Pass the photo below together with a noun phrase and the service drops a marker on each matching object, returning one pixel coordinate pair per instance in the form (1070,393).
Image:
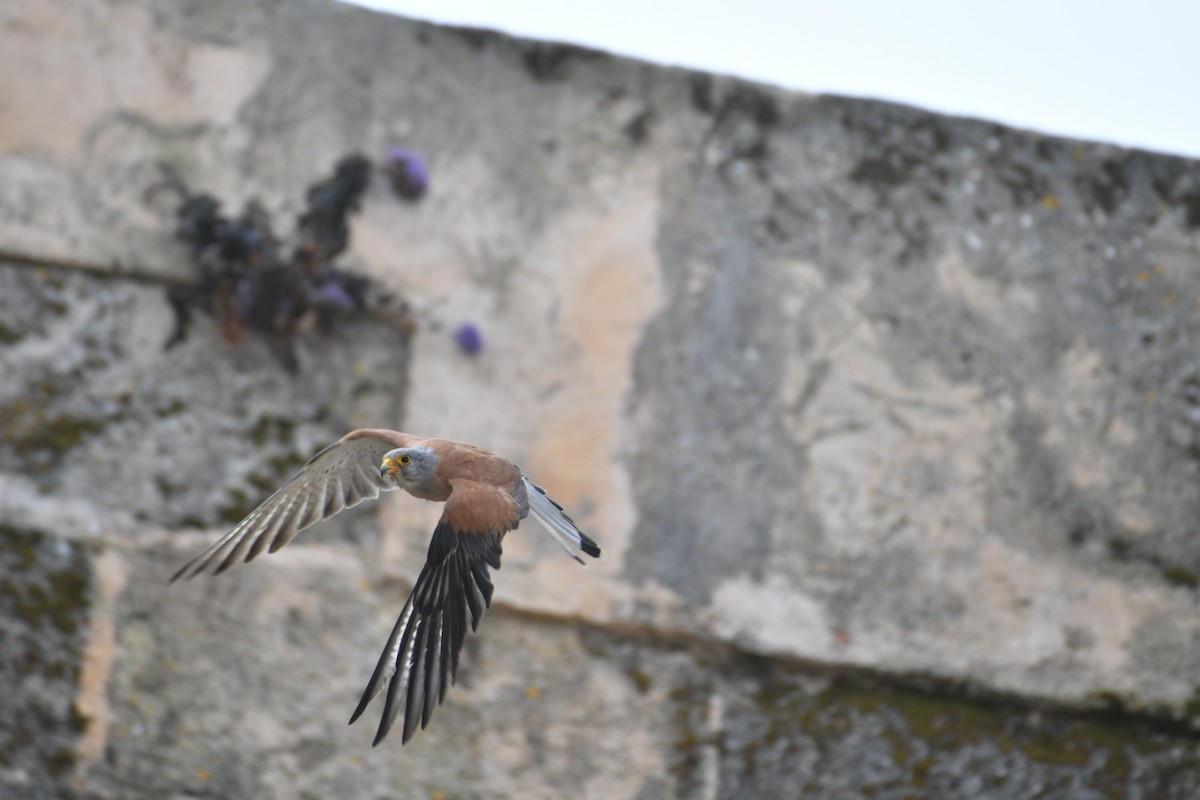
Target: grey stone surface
(926,346)
(240,687)
(886,421)
(98,403)
(275,662)
(45,605)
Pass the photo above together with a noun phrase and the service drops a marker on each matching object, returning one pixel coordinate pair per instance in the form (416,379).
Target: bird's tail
(561,528)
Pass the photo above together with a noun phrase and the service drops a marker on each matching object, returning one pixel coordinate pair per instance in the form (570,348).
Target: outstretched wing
(454,588)
(340,476)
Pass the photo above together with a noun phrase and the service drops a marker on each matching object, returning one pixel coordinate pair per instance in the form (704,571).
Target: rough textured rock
(45,605)
(887,422)
(240,686)
(98,406)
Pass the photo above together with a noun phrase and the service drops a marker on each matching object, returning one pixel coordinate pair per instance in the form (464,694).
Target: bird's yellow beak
(389,468)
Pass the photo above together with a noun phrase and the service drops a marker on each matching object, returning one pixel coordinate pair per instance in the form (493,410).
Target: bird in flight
(485,496)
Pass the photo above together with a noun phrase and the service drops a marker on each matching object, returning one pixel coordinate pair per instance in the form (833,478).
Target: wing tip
(188,571)
(358,712)
(385,726)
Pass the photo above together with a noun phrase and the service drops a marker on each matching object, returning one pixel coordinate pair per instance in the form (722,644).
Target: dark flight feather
(420,661)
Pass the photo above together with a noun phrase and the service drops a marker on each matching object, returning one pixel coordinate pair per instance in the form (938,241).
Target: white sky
(1121,72)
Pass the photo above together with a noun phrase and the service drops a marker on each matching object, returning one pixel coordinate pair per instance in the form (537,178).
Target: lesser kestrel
(485,496)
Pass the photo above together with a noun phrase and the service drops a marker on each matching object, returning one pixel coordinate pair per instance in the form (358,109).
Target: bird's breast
(436,494)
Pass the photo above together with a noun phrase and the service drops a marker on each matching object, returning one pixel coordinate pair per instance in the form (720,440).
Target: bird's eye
(405,459)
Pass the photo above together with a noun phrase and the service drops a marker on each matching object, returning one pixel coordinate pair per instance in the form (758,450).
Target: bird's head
(410,467)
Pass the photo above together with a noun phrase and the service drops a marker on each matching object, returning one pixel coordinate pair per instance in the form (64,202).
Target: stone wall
(888,423)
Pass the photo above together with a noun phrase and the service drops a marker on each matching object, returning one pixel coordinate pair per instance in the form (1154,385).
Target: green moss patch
(780,736)
(46,596)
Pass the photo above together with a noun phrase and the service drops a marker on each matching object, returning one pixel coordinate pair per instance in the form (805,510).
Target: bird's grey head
(410,467)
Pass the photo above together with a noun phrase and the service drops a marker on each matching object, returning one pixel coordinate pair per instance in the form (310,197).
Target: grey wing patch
(521,495)
(339,477)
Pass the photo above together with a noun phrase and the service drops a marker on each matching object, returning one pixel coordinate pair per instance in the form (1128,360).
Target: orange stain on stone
(98,658)
(608,296)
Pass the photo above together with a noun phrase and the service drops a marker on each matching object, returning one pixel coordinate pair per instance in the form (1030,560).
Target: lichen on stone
(45,600)
(784,732)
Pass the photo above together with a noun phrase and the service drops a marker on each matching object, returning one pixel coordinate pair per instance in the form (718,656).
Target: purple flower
(333,294)
(469,338)
(406,172)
